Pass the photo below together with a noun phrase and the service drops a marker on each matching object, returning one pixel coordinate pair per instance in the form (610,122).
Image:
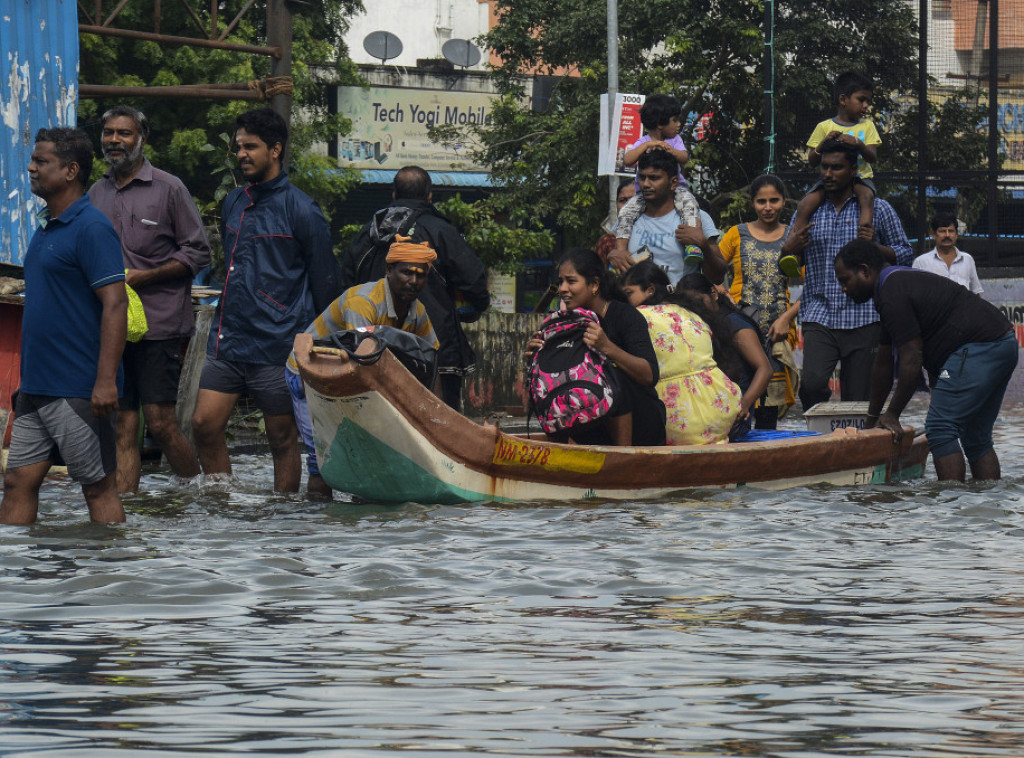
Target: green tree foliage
(956,142)
(184,138)
(499,244)
(710,55)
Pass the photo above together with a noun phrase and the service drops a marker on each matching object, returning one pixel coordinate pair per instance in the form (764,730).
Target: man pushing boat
(965,343)
(391,301)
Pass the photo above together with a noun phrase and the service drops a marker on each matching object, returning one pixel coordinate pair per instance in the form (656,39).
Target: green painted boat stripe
(359,463)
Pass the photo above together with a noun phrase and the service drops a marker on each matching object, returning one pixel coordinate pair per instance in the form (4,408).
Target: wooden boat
(382,436)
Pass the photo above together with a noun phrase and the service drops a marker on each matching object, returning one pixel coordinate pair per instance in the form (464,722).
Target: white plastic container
(836,414)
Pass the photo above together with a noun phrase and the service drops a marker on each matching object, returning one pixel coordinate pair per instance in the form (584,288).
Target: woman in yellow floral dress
(701,402)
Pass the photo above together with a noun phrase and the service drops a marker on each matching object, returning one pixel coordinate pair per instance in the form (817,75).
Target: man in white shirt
(945,259)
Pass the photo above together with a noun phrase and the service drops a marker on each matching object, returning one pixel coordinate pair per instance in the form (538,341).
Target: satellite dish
(383,45)
(461,52)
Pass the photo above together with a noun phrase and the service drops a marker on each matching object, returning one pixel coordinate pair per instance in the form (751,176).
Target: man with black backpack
(457,268)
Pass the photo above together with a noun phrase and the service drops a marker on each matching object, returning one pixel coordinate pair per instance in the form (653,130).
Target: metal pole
(279,35)
(208,92)
(922,127)
(613,87)
(993,129)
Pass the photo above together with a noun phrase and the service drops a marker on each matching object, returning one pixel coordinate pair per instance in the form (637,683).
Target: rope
(769,92)
(271,86)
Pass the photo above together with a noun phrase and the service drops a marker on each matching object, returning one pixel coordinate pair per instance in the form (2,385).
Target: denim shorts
(302,419)
(967,396)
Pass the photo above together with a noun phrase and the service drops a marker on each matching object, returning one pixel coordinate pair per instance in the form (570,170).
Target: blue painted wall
(38,89)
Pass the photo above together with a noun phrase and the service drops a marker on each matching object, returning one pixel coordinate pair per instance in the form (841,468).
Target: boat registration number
(511,452)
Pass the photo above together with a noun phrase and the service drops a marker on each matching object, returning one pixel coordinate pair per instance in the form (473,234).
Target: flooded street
(884,621)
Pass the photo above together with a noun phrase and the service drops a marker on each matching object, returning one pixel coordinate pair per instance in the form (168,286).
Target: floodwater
(885,621)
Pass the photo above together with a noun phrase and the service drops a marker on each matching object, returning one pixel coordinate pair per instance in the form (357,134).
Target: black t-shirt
(944,314)
(737,322)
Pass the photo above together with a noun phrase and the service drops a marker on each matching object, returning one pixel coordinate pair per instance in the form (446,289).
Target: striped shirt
(368,304)
(823,301)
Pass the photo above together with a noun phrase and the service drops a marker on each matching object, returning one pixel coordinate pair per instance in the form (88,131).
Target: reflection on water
(878,622)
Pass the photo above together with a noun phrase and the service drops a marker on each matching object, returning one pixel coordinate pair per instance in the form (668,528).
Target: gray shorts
(63,430)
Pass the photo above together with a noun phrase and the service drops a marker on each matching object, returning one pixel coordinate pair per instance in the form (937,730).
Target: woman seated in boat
(701,402)
(739,344)
(638,416)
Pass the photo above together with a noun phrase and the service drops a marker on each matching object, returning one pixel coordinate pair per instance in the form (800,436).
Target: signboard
(1010,121)
(502,288)
(618,133)
(389,127)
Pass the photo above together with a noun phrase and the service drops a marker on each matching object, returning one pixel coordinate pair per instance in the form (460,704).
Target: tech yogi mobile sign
(389,127)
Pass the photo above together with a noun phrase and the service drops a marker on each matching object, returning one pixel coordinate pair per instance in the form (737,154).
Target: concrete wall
(499,340)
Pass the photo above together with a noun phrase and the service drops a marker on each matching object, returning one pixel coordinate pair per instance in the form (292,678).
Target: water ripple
(878,622)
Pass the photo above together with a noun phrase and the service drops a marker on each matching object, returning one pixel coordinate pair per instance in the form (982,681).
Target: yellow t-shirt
(864,130)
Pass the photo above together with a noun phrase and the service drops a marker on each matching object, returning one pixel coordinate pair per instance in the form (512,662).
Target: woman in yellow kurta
(752,252)
(701,402)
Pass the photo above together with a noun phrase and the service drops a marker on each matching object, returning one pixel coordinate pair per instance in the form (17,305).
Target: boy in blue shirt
(850,125)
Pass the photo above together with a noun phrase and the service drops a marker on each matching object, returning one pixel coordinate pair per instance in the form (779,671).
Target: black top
(737,322)
(627,328)
(944,314)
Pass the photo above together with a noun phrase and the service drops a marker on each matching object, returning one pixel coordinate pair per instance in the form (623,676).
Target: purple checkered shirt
(823,301)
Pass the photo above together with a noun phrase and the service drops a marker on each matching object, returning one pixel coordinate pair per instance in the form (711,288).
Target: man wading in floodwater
(965,343)
(281,273)
(72,336)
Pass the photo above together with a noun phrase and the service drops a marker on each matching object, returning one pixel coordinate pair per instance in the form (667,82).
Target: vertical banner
(625,129)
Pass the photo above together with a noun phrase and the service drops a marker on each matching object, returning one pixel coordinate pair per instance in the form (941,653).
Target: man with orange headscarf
(457,276)
(391,301)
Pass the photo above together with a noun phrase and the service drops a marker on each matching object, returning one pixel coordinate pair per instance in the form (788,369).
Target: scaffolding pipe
(100,91)
(279,34)
(105,31)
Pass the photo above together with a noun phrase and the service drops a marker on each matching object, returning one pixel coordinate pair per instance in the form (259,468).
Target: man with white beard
(164,246)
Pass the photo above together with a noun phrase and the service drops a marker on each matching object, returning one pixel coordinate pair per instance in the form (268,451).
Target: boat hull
(381,436)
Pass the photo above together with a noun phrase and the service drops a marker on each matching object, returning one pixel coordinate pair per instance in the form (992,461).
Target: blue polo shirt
(68,257)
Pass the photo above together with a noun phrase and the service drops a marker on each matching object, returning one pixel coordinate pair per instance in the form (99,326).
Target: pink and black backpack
(570,383)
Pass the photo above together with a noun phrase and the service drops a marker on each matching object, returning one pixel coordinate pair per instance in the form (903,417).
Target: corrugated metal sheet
(38,89)
(10,354)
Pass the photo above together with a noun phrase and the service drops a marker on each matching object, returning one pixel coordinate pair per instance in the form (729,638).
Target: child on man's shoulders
(851,125)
